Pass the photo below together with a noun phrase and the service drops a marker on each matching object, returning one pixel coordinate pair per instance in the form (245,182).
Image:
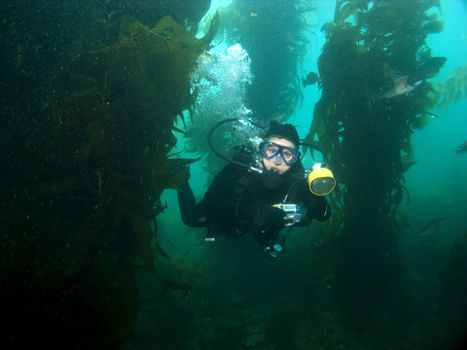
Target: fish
(407,83)
(310,79)
(461,149)
(161,251)
(432,115)
(423,119)
(431,227)
(400,86)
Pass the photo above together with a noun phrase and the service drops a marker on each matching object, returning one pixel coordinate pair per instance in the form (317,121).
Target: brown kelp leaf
(346,10)
(420,122)
(433,27)
(213,28)
(142,232)
(174,172)
(317,123)
(174,128)
(312,145)
(182,286)
(178,178)
(182,118)
(177,34)
(407,164)
(455,88)
(180,162)
(161,251)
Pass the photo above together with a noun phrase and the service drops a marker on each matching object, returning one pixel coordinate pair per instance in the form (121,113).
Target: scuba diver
(261,192)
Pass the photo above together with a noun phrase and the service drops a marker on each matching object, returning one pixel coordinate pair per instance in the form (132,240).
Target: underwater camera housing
(293,213)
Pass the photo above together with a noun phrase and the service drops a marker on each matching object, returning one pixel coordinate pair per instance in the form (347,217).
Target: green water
(87,106)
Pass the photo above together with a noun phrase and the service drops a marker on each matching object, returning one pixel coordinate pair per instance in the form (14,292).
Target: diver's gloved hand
(265,216)
(180,177)
(272,219)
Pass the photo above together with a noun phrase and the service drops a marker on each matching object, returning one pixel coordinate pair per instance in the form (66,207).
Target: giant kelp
(454,89)
(91,170)
(38,37)
(274,35)
(453,306)
(368,139)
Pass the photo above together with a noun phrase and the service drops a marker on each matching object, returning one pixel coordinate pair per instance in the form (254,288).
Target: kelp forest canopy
(90,92)
(366,134)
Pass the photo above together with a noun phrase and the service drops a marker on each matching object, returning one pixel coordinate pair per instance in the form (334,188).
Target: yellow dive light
(321,180)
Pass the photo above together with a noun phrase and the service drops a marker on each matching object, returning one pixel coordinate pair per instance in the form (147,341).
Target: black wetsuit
(235,192)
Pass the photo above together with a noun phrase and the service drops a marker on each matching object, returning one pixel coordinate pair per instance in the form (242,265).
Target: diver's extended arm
(220,201)
(192,214)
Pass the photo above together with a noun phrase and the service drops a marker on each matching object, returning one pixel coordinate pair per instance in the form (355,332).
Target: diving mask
(270,150)
(321,180)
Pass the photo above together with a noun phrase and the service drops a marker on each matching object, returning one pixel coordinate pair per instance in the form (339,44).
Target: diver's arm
(320,209)
(220,201)
(217,205)
(192,214)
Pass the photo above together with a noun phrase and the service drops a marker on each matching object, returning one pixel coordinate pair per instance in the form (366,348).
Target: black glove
(268,218)
(318,208)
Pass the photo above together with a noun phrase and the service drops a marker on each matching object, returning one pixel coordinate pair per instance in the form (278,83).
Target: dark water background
(237,299)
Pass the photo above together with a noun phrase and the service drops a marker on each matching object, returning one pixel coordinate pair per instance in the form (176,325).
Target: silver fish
(400,86)
(462,148)
(430,227)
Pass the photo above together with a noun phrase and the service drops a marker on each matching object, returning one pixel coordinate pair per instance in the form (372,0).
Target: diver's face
(277,163)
